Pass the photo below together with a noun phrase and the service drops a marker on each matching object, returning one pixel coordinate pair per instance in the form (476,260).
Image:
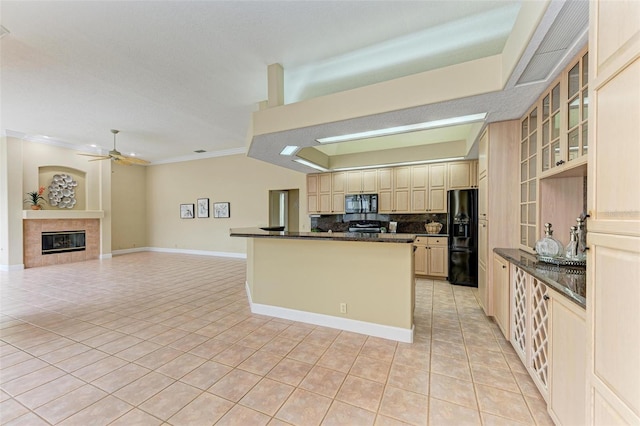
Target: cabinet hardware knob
(504,267)
(546,297)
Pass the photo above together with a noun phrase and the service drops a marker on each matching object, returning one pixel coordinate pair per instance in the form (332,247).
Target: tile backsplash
(407,223)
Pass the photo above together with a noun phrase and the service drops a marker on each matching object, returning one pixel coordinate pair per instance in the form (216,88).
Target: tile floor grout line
(178,308)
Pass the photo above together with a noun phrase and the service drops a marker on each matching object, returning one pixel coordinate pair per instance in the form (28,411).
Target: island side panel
(375,280)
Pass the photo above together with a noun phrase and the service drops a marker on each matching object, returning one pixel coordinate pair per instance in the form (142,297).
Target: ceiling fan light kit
(116,156)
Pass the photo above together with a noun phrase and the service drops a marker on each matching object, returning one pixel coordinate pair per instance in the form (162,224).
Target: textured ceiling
(179,76)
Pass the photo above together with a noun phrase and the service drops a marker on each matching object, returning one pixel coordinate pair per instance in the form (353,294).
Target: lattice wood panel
(539,335)
(520,311)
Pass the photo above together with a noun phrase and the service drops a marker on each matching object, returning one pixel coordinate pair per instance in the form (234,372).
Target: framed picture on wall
(186,211)
(203,207)
(221,210)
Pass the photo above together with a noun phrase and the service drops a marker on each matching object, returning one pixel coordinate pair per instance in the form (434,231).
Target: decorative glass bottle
(571,251)
(548,246)
(581,236)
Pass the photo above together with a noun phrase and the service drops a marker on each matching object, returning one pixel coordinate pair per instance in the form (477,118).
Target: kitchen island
(360,282)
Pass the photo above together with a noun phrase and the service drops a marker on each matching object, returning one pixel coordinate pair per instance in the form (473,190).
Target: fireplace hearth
(63,241)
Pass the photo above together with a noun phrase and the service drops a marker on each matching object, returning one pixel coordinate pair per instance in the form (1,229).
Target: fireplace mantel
(62,214)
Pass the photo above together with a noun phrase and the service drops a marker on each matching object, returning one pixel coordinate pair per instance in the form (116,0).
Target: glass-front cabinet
(553,144)
(577,109)
(528,175)
(550,133)
(563,122)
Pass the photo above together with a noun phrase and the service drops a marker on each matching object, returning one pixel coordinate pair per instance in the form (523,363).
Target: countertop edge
(325,236)
(510,255)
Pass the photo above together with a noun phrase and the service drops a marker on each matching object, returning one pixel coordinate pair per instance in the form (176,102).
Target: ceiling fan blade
(100,159)
(135,160)
(129,160)
(95,155)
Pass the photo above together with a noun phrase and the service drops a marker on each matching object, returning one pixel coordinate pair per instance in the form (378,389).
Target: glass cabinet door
(528,175)
(550,129)
(577,109)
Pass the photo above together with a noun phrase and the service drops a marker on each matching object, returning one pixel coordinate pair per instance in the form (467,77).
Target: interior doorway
(284,206)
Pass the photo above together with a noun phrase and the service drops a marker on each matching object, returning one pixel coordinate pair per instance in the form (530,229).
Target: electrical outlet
(343,308)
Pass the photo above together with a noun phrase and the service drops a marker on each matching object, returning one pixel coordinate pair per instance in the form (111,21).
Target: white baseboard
(199,252)
(106,256)
(12,267)
(129,250)
(346,324)
(181,251)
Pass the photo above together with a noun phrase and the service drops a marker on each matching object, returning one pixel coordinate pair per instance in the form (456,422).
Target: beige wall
(141,204)
(10,203)
(374,279)
(21,161)
(36,155)
(129,206)
(244,182)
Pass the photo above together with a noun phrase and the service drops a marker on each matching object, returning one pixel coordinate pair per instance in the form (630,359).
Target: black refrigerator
(462,208)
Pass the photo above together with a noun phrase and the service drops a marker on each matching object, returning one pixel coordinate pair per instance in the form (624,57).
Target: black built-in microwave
(361,203)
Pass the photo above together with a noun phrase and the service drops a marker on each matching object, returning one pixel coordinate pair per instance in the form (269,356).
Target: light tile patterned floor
(156,338)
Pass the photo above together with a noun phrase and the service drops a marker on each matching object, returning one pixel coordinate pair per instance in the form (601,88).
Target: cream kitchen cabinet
(547,329)
(431,256)
(497,199)
(321,198)
(501,294)
(362,181)
(483,150)
(564,124)
(484,296)
(613,262)
(312,194)
(568,361)
(324,193)
(338,186)
(394,186)
(460,175)
(530,326)
(483,202)
(428,188)
(438,188)
(319,193)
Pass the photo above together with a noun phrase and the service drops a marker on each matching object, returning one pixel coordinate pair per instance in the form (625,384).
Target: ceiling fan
(116,156)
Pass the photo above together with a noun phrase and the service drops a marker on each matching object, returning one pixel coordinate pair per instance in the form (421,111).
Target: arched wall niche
(45,178)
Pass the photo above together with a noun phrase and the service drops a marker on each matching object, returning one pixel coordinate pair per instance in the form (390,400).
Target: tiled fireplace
(33,231)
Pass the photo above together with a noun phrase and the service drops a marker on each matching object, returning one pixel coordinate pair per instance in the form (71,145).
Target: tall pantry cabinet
(498,187)
(613,264)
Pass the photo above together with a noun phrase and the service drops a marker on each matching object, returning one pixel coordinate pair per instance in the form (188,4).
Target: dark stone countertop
(333,236)
(568,281)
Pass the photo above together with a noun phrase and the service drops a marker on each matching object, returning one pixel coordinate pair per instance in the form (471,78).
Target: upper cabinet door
(370,181)
(401,178)
(338,183)
(362,181)
(483,154)
(460,175)
(419,176)
(419,188)
(324,183)
(354,182)
(437,175)
(577,99)
(312,194)
(385,179)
